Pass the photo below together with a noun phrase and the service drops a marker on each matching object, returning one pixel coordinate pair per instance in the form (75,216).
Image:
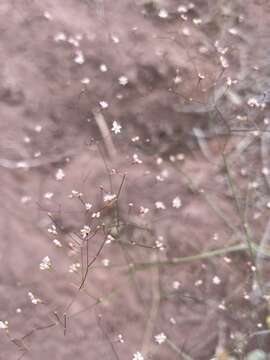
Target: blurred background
(162,106)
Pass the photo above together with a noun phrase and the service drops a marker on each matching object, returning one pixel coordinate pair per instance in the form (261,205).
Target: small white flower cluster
(143,210)
(57,243)
(88,206)
(34,300)
(52,230)
(3,325)
(136,159)
(123,80)
(254,103)
(85,231)
(137,356)
(48,195)
(79,57)
(116,128)
(160,338)
(177,203)
(74,267)
(45,264)
(105,262)
(103,104)
(107,198)
(160,205)
(59,175)
(75,194)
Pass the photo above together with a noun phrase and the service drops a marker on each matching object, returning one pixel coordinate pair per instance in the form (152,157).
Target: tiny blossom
(135,138)
(37,154)
(186,31)
(120,338)
(172,321)
(198,283)
(160,338)
(109,239)
(60,37)
(159,245)
(137,356)
(18,310)
(27,139)
(25,199)
(79,58)
(88,206)
(74,267)
(265,171)
(216,280)
(135,159)
(182,9)
(160,205)
(48,195)
(96,215)
(103,68)
(52,230)
(180,157)
(123,80)
(163,13)
(176,285)
(85,81)
(116,128)
(177,203)
(143,210)
(109,197)
(197,21)
(47,15)
(103,104)
(115,39)
(3,325)
(57,243)
(85,231)
(34,300)
(105,262)
(159,160)
(178,79)
(45,264)
(59,174)
(75,193)
(224,62)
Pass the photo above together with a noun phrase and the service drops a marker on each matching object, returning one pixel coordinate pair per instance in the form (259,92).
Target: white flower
(103,68)
(160,205)
(109,197)
(216,280)
(45,264)
(85,231)
(137,356)
(123,80)
(34,299)
(160,338)
(136,159)
(88,206)
(143,210)
(79,58)
(60,174)
(116,128)
(74,267)
(57,243)
(105,262)
(48,195)
(103,104)
(163,13)
(3,325)
(177,203)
